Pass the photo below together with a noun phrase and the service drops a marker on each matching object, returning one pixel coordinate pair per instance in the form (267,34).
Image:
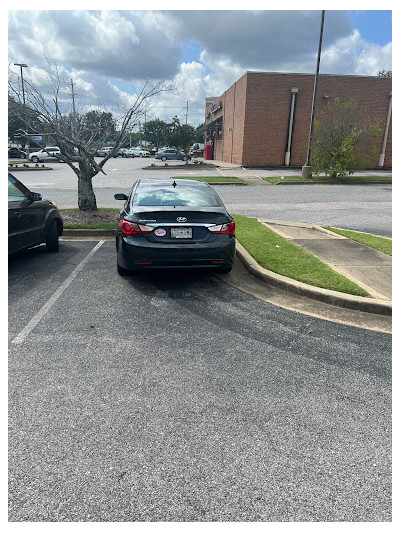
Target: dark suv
(31,220)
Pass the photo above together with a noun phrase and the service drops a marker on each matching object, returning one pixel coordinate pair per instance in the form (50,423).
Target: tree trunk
(86,196)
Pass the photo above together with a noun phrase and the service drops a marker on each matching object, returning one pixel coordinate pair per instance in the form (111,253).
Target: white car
(104,151)
(137,152)
(48,153)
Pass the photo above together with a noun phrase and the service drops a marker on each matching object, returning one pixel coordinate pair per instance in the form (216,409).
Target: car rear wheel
(52,242)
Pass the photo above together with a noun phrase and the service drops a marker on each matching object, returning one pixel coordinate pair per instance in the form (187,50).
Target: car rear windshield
(178,196)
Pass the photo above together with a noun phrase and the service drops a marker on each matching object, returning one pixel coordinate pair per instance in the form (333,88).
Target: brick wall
(256,114)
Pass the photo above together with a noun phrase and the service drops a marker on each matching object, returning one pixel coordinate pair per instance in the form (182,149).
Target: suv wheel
(163,158)
(52,242)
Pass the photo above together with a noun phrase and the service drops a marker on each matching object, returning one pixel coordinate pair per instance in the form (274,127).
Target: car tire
(35,159)
(52,241)
(163,158)
(140,155)
(183,158)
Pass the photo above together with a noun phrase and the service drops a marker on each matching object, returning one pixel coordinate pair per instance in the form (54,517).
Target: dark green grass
(211,179)
(372,241)
(326,179)
(273,252)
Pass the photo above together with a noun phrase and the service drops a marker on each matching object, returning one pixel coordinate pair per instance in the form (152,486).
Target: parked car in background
(174,224)
(48,153)
(122,152)
(104,151)
(138,152)
(171,154)
(17,153)
(197,149)
(31,220)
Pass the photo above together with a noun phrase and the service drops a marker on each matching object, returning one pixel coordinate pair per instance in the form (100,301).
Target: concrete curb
(386,182)
(348,301)
(11,169)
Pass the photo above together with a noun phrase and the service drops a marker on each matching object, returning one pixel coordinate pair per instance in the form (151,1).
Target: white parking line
(19,339)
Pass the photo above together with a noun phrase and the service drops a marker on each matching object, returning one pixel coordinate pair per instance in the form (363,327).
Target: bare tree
(53,112)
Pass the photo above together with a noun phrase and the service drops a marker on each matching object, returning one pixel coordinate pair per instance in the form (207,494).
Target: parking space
(176,397)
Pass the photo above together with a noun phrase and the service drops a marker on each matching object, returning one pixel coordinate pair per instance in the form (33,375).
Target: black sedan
(31,220)
(171,224)
(171,154)
(17,153)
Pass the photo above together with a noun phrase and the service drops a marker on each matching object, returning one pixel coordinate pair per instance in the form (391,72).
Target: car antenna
(174,184)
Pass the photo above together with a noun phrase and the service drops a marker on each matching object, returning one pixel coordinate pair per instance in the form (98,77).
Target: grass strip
(211,179)
(326,179)
(100,225)
(381,244)
(273,252)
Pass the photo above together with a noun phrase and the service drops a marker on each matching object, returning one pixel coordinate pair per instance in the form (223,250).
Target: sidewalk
(370,269)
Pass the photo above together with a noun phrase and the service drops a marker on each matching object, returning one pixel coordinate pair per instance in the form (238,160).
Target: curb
(11,169)
(348,301)
(386,182)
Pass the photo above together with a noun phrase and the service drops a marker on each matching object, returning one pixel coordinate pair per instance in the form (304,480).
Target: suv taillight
(227,229)
(131,228)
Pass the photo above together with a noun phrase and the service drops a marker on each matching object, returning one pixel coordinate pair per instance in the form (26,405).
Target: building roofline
(310,74)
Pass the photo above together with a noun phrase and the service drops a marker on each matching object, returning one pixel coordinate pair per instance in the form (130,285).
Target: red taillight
(227,229)
(131,228)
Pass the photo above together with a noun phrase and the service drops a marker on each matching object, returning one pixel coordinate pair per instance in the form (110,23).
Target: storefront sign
(216,107)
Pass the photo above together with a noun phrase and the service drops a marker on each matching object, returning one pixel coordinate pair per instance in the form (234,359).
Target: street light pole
(306,169)
(21,66)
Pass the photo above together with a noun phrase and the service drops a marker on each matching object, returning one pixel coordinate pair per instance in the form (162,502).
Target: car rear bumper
(138,254)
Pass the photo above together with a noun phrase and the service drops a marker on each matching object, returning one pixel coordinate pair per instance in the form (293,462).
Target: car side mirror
(36,197)
(120,196)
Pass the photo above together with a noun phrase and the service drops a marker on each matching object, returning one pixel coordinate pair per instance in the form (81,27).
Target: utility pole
(73,124)
(187,110)
(21,66)
(306,169)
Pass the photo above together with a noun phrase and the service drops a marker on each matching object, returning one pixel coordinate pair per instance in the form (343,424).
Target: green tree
(385,73)
(98,125)
(181,136)
(343,141)
(156,131)
(200,134)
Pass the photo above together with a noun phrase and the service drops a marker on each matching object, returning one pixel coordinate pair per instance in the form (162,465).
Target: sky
(109,54)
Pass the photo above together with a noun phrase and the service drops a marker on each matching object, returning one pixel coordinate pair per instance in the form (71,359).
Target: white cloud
(102,51)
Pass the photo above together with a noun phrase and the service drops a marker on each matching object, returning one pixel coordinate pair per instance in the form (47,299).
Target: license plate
(181,233)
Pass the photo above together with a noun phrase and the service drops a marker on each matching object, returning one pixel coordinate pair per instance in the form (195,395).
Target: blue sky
(374,26)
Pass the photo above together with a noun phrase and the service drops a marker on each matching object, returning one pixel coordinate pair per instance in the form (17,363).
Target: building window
(219,133)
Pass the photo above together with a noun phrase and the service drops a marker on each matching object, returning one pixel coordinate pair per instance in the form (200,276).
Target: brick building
(264,118)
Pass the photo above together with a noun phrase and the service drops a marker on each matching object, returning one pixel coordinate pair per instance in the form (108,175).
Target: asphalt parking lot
(177,397)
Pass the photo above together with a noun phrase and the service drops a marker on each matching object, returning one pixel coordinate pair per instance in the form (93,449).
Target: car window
(190,196)
(14,193)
